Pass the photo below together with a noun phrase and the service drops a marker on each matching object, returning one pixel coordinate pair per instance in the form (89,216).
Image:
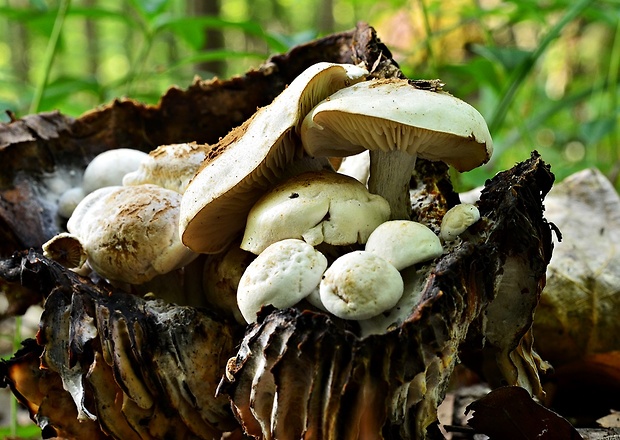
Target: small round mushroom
(68,200)
(169,166)
(109,168)
(404,243)
(360,285)
(65,249)
(130,233)
(254,157)
(321,206)
(457,220)
(397,122)
(284,274)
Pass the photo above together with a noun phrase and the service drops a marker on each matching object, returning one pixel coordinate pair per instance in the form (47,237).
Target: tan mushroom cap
(130,233)
(392,114)
(254,156)
(318,207)
(169,166)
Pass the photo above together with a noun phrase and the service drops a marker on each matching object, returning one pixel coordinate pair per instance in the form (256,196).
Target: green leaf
(508,57)
(592,132)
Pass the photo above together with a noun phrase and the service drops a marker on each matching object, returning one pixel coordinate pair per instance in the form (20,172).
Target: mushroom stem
(390,174)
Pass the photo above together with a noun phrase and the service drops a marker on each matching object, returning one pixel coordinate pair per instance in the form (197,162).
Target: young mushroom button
(284,274)
(397,122)
(320,207)
(457,220)
(254,157)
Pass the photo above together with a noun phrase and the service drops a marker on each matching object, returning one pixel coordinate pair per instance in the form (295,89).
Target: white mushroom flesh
(109,168)
(404,243)
(360,285)
(457,220)
(282,275)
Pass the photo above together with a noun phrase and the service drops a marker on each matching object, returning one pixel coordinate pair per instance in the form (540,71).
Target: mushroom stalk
(390,174)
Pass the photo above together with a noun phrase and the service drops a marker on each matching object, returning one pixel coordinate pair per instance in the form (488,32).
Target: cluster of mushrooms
(274,200)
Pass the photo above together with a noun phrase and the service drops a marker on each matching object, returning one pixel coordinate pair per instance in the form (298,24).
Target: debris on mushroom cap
(360,285)
(317,206)
(397,122)
(66,249)
(404,243)
(253,157)
(282,275)
(130,233)
(109,168)
(169,166)
(457,220)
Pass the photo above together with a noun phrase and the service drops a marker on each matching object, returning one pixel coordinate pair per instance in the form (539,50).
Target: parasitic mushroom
(457,220)
(253,157)
(130,233)
(109,168)
(397,122)
(282,275)
(360,285)
(318,207)
(404,243)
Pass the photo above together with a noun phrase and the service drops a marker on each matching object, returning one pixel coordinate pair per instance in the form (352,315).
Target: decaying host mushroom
(318,207)
(282,275)
(169,166)
(253,157)
(397,122)
(457,220)
(360,285)
(404,243)
(130,233)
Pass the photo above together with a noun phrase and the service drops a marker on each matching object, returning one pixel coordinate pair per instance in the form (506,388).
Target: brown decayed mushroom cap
(252,157)
(397,122)
(130,233)
(321,206)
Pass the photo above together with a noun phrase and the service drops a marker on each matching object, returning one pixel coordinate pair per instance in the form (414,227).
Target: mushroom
(397,122)
(130,233)
(68,200)
(169,166)
(321,206)
(109,168)
(457,220)
(359,285)
(65,249)
(404,243)
(253,157)
(282,275)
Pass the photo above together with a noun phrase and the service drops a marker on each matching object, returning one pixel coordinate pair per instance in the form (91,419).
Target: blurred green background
(543,73)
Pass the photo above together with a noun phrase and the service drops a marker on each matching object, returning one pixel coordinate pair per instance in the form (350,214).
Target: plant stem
(50,53)
(526,66)
(428,40)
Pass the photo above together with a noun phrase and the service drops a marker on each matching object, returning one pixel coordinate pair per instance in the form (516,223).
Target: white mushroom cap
(109,168)
(284,274)
(169,166)
(404,243)
(65,249)
(397,122)
(457,220)
(360,285)
(68,200)
(255,156)
(318,207)
(130,233)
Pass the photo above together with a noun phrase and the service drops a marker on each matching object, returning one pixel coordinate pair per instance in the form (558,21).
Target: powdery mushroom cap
(109,168)
(169,166)
(317,207)
(360,285)
(253,157)
(457,220)
(284,274)
(404,243)
(130,233)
